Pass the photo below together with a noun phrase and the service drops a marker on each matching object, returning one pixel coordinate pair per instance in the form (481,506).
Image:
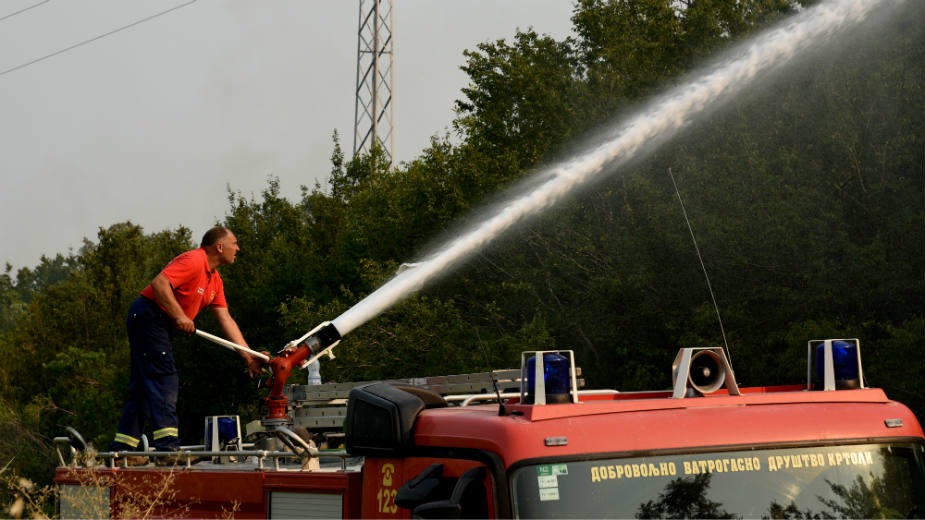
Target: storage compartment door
(287,504)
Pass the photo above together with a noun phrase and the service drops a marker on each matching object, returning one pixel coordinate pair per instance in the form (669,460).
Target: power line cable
(24,10)
(114,31)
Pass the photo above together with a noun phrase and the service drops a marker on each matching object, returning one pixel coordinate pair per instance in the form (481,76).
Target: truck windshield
(856,481)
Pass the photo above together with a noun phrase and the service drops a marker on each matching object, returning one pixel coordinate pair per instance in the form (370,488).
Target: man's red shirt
(195,286)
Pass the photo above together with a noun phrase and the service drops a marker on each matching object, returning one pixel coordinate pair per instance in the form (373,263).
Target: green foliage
(520,102)
(629,48)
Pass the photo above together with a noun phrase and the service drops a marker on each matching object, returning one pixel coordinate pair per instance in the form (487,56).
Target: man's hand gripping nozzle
(300,352)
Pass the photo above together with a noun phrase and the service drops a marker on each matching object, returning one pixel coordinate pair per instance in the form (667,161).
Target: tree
(684,498)
(520,102)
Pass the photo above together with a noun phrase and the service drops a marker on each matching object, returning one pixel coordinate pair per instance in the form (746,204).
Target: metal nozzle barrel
(324,337)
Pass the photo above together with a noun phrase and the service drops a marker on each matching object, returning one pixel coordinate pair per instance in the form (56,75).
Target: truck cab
(707,448)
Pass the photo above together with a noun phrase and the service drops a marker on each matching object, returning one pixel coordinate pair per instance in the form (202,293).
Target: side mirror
(380,420)
(420,489)
(468,499)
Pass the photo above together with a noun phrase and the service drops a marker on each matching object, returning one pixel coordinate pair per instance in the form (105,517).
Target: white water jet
(653,125)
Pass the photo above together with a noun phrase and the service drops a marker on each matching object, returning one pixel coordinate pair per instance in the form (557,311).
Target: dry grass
(101,493)
(28,500)
(228,514)
(151,496)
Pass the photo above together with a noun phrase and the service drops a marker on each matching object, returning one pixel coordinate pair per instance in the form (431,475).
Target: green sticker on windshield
(545,470)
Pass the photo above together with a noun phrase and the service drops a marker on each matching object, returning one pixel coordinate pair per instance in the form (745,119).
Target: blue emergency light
(227,431)
(835,364)
(557,379)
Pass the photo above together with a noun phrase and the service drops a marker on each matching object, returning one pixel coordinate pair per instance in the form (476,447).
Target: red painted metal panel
(174,493)
(382,479)
(595,427)
(214,494)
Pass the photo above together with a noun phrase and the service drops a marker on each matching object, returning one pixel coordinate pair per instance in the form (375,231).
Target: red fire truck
(534,443)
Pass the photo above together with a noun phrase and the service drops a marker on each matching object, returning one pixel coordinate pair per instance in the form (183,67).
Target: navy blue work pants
(154,383)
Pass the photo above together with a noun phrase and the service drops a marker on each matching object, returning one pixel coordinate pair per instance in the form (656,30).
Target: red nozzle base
(276,407)
(281,367)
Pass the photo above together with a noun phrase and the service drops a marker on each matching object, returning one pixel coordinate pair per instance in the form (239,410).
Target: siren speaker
(706,374)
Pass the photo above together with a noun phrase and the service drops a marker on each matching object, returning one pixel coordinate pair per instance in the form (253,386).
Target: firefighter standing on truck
(185,286)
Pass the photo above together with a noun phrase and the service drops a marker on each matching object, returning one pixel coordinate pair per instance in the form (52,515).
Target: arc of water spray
(642,132)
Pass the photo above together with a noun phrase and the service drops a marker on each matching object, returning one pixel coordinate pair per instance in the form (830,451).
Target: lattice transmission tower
(373,114)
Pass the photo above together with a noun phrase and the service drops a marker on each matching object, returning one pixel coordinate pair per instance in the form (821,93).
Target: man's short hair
(213,235)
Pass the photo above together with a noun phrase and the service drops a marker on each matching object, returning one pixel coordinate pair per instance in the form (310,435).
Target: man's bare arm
(163,293)
(233,334)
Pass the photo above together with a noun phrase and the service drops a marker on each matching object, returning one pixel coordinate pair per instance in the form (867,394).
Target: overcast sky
(151,124)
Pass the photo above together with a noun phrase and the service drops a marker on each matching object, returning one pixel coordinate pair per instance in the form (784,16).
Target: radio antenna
(491,373)
(702,265)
